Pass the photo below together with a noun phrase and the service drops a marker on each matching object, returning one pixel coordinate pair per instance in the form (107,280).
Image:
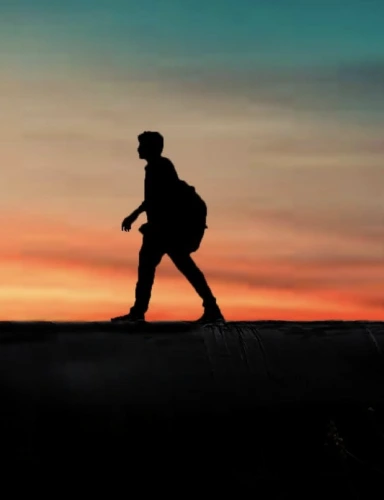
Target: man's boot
(212,313)
(132,317)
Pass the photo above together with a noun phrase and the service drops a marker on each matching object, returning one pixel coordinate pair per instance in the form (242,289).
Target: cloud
(366,226)
(375,302)
(297,272)
(346,89)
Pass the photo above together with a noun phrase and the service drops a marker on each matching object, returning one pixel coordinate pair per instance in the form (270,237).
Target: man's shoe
(131,317)
(212,315)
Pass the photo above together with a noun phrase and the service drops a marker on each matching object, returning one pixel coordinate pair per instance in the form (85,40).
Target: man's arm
(128,221)
(138,211)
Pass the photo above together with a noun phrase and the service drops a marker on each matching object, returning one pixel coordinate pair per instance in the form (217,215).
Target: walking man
(166,232)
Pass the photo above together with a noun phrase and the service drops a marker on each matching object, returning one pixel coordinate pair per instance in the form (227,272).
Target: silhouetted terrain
(248,408)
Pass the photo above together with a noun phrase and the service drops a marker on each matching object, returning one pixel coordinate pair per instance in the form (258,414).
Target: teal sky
(321,55)
(237,33)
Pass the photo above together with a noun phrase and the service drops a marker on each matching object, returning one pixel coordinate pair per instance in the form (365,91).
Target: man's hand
(127,222)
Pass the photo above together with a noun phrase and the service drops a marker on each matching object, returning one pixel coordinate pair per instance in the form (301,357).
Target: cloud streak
(76,262)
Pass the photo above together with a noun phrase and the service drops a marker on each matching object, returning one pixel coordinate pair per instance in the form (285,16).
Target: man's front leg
(150,257)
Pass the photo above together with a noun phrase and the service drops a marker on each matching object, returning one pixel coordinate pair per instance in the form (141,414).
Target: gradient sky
(274,110)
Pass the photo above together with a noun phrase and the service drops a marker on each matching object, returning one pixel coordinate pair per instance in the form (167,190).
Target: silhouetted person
(163,233)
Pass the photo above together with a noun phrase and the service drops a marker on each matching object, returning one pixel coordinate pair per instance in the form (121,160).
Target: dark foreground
(270,409)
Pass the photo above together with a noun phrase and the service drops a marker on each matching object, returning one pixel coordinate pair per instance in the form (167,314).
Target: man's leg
(150,256)
(187,266)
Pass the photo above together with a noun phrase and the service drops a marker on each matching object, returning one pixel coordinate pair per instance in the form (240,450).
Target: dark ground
(272,409)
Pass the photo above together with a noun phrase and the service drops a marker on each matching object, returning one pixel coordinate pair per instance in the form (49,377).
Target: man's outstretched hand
(127,223)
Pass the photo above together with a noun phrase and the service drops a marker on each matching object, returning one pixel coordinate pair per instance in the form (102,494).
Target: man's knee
(149,257)
(148,261)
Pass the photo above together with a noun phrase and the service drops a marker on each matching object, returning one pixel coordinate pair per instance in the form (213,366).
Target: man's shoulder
(166,168)
(161,162)
(166,162)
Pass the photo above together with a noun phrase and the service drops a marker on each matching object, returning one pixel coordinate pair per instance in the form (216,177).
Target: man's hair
(153,140)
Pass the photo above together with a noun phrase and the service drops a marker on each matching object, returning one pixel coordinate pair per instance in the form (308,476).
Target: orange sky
(295,201)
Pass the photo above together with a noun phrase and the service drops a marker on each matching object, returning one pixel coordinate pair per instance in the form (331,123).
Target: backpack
(191,215)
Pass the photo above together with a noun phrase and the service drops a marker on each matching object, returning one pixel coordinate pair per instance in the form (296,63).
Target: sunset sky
(273,110)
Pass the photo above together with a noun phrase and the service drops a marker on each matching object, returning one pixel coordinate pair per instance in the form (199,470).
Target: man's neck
(153,159)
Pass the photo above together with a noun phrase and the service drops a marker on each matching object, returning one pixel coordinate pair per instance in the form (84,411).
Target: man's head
(151,145)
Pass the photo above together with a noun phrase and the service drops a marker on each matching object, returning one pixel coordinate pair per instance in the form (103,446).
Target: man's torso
(159,190)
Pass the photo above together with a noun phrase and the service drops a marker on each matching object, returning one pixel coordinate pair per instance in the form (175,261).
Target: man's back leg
(187,266)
